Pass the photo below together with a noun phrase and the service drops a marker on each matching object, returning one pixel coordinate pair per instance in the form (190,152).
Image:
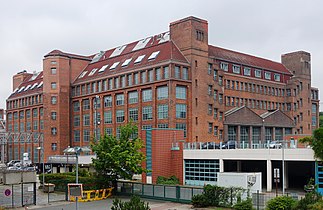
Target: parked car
(13,162)
(229,145)
(210,145)
(275,145)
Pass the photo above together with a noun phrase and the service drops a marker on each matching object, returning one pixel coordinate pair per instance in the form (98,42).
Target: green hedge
(62,179)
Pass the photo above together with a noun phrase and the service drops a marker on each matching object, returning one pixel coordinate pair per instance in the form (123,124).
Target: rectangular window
(210,109)
(76,121)
(182,126)
(181,111)
(232,133)
(150,75)
(224,66)
(247,71)
(123,81)
(53,71)
(108,101)
(210,128)
(163,111)
(119,99)
(185,73)
(147,95)
(76,135)
(220,80)
(86,104)
(162,126)
(35,113)
(120,116)
(129,79)
(136,77)
(86,135)
(133,114)
(267,75)
(53,85)
(147,127)
(177,72)
(215,75)
(277,77)
(133,97)
(162,92)
(166,72)
(116,82)
(86,119)
(107,117)
(158,74)
(258,73)
(54,146)
(53,100)
(54,131)
(147,113)
(209,69)
(236,69)
(180,92)
(143,77)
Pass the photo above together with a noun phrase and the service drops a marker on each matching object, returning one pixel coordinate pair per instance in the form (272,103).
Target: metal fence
(181,194)
(17,195)
(259,200)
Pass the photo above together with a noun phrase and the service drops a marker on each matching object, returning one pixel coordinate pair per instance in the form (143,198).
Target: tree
(316,142)
(119,157)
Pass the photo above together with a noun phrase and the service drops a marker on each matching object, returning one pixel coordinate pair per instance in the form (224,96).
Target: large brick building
(175,79)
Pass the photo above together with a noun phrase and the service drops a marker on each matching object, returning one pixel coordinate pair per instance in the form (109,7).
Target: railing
(181,194)
(291,144)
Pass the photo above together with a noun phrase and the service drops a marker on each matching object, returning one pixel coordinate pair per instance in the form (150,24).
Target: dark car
(210,145)
(229,145)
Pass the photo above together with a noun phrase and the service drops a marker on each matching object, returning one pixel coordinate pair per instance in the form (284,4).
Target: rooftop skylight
(83,74)
(93,71)
(103,68)
(40,84)
(21,89)
(153,55)
(141,44)
(139,59)
(118,51)
(97,56)
(28,86)
(164,38)
(114,65)
(34,76)
(126,62)
(34,85)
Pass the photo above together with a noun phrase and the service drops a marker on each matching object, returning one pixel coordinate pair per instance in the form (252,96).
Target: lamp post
(41,149)
(96,116)
(76,151)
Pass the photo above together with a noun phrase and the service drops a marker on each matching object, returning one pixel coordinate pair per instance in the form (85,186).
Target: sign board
(7,192)
(75,190)
(276,173)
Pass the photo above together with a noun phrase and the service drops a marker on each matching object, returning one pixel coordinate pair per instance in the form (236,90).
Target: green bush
(134,204)
(200,201)
(309,199)
(173,180)
(217,196)
(62,179)
(316,206)
(244,205)
(281,203)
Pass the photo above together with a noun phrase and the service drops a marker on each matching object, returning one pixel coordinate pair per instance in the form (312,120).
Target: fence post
(12,200)
(231,196)
(22,194)
(178,193)
(257,200)
(66,192)
(34,193)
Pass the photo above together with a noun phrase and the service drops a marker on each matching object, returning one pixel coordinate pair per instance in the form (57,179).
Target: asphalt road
(107,204)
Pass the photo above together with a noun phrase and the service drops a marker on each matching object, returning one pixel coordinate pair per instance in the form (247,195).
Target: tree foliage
(316,142)
(119,157)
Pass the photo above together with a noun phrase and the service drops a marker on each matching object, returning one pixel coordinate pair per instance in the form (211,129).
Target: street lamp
(96,123)
(76,151)
(41,149)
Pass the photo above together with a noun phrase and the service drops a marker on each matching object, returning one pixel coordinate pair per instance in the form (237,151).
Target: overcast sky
(30,29)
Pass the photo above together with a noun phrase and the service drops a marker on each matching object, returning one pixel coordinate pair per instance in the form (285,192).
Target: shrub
(281,203)
(244,205)
(173,180)
(316,206)
(200,201)
(134,204)
(310,198)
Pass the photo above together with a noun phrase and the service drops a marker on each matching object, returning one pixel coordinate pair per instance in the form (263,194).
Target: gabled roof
(247,60)
(32,84)
(124,58)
